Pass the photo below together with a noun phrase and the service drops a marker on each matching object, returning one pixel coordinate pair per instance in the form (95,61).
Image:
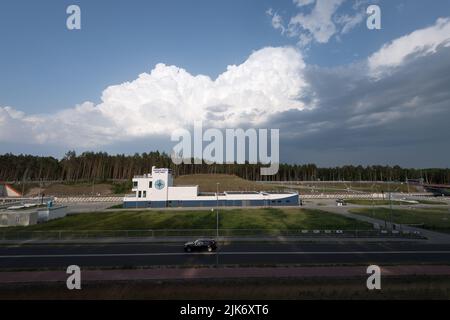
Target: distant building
(18,218)
(7,191)
(51,213)
(156,190)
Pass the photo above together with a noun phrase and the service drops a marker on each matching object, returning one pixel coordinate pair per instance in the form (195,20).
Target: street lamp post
(217,210)
(390,209)
(390,206)
(217,222)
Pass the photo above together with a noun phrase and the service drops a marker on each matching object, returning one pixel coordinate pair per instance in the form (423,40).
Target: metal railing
(77,199)
(153,233)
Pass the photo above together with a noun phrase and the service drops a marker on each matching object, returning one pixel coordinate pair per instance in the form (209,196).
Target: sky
(138,70)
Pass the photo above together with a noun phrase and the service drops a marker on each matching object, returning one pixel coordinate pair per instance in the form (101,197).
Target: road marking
(220,253)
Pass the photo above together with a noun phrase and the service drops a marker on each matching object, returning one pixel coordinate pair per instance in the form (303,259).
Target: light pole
(390,208)
(373,201)
(217,222)
(390,205)
(217,210)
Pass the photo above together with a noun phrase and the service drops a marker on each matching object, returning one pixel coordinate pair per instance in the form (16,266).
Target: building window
(150,185)
(145,194)
(135,184)
(139,194)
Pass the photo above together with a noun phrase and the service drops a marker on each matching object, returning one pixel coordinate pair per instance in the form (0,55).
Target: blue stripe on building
(288,201)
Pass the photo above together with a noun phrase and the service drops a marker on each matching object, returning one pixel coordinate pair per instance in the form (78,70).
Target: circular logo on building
(159,184)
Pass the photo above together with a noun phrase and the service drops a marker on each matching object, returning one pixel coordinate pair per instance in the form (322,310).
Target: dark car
(201,245)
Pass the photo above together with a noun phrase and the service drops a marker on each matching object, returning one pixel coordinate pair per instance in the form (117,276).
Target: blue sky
(119,40)
(45,68)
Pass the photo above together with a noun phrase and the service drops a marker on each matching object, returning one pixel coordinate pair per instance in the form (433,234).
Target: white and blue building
(156,190)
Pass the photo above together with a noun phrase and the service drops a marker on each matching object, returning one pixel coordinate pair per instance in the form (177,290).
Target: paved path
(432,236)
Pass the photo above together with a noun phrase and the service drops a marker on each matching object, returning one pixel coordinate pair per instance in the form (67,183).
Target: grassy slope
(431,219)
(207,183)
(73,189)
(340,187)
(431,202)
(266,218)
(366,202)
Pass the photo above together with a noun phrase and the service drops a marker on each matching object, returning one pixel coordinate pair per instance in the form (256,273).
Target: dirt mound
(207,183)
(59,190)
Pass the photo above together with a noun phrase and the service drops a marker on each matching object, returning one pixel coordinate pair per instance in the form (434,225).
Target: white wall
(183,193)
(52,213)
(18,218)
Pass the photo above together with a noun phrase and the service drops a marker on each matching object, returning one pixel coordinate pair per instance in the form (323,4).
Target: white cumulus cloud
(420,42)
(301,3)
(318,20)
(168,98)
(277,21)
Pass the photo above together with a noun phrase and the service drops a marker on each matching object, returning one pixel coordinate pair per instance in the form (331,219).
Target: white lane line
(220,253)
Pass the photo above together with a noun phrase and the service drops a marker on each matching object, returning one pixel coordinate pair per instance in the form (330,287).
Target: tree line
(101,166)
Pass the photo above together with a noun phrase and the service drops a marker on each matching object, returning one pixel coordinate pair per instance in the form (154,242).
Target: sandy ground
(59,190)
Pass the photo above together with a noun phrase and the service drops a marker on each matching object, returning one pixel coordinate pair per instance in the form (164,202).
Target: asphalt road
(134,255)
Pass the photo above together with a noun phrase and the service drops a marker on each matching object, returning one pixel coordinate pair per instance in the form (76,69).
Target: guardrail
(153,233)
(8,202)
(361,195)
(88,199)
